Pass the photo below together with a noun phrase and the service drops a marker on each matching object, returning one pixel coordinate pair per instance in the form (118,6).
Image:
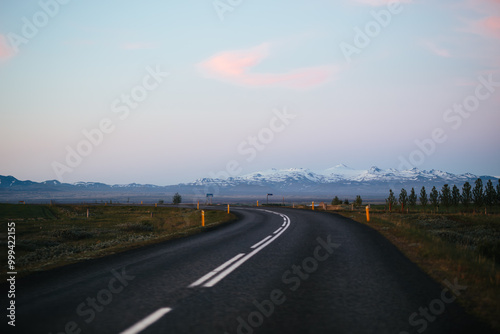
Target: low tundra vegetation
(48,236)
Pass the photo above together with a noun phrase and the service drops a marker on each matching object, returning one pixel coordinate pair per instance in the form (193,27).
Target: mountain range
(293,183)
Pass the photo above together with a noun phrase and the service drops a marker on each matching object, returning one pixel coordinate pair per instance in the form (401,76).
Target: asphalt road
(273,271)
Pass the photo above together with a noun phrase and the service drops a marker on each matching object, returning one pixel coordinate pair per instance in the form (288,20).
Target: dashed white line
(229,270)
(233,263)
(262,241)
(216,270)
(216,275)
(148,321)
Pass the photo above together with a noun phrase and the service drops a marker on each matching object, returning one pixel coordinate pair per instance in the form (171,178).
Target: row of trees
(358,201)
(479,196)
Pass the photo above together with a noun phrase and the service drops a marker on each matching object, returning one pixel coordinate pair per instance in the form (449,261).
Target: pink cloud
(233,63)
(6,51)
(236,67)
(487,27)
(437,50)
(491,26)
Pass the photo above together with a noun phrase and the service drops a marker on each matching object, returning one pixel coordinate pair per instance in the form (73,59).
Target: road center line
(148,321)
(261,242)
(216,270)
(229,270)
(277,230)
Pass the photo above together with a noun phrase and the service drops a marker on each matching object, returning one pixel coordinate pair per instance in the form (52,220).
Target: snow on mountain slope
(282,175)
(339,173)
(294,179)
(299,182)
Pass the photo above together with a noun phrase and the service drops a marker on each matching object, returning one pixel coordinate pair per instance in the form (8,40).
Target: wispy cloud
(236,67)
(481,22)
(435,49)
(6,51)
(488,26)
(491,25)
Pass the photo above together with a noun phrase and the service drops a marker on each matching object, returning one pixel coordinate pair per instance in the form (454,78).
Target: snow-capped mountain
(339,173)
(339,180)
(299,183)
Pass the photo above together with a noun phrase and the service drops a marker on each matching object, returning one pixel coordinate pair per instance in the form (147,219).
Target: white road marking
(216,270)
(152,318)
(149,320)
(262,241)
(229,270)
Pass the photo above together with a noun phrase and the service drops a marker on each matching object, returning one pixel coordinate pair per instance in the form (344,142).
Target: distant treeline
(478,197)
(357,202)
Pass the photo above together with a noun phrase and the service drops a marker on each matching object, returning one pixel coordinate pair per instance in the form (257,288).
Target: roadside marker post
(367,213)
(257,203)
(202,217)
(198,206)
(312,205)
(228,209)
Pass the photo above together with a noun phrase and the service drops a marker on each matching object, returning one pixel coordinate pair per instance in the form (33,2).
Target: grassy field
(458,245)
(51,236)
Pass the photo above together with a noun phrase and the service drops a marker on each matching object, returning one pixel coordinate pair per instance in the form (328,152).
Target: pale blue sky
(227,79)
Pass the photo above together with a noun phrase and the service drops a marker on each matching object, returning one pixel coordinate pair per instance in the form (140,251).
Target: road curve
(272,271)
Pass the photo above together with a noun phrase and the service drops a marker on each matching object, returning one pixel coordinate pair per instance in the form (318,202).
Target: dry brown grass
(53,236)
